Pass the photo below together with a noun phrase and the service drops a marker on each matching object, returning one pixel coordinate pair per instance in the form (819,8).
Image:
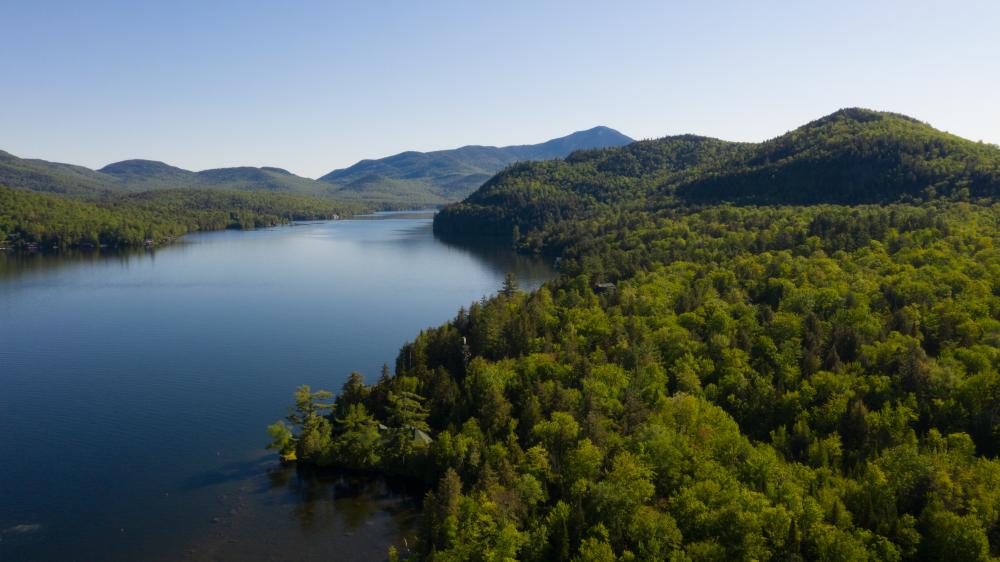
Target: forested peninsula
(778,351)
(47,221)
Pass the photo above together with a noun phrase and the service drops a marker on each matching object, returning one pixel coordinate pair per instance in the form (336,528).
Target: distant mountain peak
(598,130)
(141,166)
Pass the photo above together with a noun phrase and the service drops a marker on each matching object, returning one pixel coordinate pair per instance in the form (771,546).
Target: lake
(135,388)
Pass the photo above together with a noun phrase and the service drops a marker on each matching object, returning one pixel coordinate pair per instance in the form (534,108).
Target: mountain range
(406,179)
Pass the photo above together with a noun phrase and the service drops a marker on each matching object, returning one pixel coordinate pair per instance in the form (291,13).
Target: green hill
(40,175)
(135,176)
(146,175)
(149,172)
(267,178)
(532,194)
(443,176)
(854,156)
(851,156)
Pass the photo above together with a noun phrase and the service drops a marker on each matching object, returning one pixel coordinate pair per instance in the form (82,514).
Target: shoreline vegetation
(39,221)
(780,351)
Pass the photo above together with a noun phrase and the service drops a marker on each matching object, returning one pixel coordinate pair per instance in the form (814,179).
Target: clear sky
(313,86)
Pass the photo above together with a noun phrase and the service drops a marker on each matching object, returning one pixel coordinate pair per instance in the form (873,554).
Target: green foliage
(314,441)
(48,221)
(282,440)
(356,441)
(510,286)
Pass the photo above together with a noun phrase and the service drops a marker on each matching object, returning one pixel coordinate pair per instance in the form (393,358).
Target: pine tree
(510,286)
(406,410)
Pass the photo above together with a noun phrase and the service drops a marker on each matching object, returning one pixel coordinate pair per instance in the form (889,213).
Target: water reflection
(395,215)
(330,516)
(413,233)
(323,499)
(14,264)
(495,253)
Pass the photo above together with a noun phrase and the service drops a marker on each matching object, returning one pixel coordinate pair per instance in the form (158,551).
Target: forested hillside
(706,381)
(534,194)
(852,156)
(52,177)
(46,220)
(136,176)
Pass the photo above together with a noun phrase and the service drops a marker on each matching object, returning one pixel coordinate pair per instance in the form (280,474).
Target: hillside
(444,176)
(135,176)
(533,194)
(53,177)
(146,175)
(852,156)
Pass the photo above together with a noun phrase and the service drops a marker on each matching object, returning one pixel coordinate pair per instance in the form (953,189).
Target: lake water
(135,389)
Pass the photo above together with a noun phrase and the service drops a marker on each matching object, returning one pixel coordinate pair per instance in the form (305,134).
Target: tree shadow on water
(351,501)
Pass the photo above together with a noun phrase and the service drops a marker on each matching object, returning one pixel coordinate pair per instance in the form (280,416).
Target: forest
(853,156)
(710,378)
(41,220)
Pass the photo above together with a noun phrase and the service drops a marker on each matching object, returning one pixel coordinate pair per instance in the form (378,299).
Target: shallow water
(135,388)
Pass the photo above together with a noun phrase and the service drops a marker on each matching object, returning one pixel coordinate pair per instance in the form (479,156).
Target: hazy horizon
(312,87)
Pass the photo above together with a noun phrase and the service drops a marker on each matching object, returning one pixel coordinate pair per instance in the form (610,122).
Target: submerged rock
(21,529)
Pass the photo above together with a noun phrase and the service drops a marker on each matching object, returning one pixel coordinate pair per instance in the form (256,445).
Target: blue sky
(313,86)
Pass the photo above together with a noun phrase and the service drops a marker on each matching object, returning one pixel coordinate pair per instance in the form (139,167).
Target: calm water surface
(134,389)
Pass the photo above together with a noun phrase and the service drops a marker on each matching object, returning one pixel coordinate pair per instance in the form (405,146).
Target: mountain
(130,171)
(39,175)
(136,176)
(444,176)
(854,156)
(148,175)
(851,156)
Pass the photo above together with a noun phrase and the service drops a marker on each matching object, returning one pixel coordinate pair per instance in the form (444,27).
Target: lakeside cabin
(600,288)
(418,435)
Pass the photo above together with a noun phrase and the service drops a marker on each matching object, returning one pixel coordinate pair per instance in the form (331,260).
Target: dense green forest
(707,381)
(852,156)
(46,220)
